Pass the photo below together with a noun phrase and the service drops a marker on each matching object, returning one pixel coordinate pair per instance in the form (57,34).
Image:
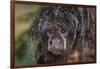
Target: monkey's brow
(54,28)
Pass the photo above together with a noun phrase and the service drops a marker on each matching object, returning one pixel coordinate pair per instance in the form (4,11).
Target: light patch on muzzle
(64,43)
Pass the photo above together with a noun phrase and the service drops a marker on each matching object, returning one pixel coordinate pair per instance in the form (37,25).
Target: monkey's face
(56,40)
(57,27)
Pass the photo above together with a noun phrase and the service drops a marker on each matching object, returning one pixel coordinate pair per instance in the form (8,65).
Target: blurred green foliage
(24,16)
(25,48)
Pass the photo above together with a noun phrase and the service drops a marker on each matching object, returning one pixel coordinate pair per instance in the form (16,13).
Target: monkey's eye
(62,31)
(51,31)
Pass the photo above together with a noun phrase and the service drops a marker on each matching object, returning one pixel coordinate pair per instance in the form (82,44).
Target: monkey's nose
(55,41)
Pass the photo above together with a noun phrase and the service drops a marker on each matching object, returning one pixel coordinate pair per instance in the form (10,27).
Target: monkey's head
(57,27)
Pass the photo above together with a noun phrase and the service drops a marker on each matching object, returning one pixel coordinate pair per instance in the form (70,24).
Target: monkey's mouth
(56,50)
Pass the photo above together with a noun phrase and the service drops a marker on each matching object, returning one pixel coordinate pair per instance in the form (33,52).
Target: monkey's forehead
(51,18)
(46,26)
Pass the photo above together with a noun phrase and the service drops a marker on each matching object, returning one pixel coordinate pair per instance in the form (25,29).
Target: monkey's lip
(56,51)
(57,47)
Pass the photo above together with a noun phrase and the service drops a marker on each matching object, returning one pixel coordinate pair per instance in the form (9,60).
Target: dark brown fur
(79,24)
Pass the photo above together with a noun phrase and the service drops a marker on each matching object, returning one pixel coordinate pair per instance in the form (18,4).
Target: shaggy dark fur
(79,26)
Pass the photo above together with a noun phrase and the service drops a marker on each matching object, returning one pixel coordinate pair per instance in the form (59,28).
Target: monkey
(64,32)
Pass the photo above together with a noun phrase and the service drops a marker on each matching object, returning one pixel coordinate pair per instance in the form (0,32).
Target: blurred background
(24,48)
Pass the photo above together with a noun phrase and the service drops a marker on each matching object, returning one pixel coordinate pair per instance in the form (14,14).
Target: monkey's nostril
(50,42)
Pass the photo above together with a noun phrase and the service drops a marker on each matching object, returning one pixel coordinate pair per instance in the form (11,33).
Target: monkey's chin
(57,52)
